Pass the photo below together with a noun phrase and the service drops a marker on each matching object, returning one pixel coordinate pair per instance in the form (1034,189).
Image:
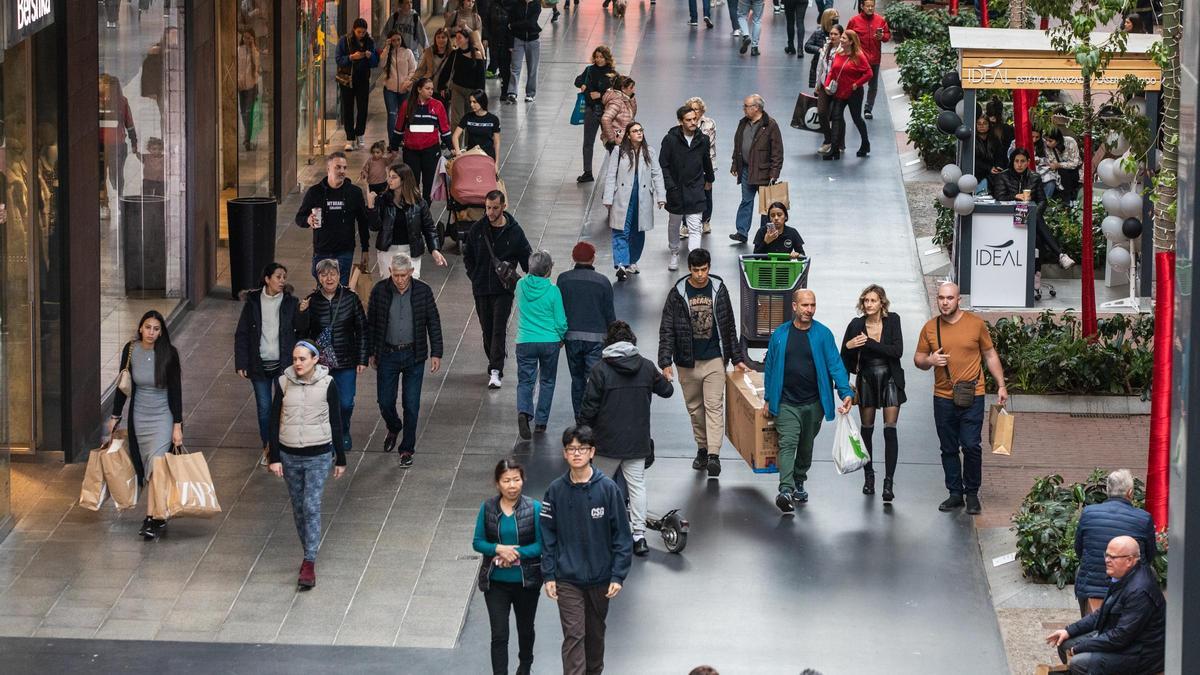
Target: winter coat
(523,19)
(849,73)
(430,63)
(361,69)
(815,45)
(528,514)
(766,152)
(827,361)
(685,169)
(499,36)
(509,243)
(540,315)
(345,312)
(709,127)
(619,111)
(675,329)
(247,337)
(398,67)
(342,209)
(1097,526)
(427,322)
(890,346)
(865,27)
(1132,621)
(1006,185)
(587,298)
(174,385)
(585,532)
(304,415)
(618,189)
(422,231)
(616,403)
(432,114)
(598,80)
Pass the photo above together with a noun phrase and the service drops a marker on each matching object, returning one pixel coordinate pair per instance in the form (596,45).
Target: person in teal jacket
(802,367)
(541,326)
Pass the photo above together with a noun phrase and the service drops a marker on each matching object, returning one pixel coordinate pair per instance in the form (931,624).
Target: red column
(983,14)
(1157,474)
(1087,264)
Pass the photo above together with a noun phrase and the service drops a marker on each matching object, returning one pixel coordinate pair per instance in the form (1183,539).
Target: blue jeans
(751,29)
(733,12)
(347,383)
(392,100)
(692,9)
(400,368)
(627,245)
(305,478)
(581,356)
(536,361)
(749,201)
(345,261)
(263,388)
(530,53)
(960,429)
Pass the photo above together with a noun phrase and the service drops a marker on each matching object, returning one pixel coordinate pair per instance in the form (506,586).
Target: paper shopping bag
(849,454)
(1002,424)
(158,489)
(769,194)
(119,474)
(94,491)
(361,282)
(192,491)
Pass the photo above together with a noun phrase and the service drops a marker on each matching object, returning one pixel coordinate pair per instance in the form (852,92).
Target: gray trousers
(635,483)
(529,53)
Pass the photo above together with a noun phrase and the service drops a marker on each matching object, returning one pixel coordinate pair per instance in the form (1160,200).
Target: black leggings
(838,117)
(794,12)
(499,597)
(424,167)
(354,109)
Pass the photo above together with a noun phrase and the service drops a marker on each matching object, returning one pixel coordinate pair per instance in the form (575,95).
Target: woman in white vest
(303,446)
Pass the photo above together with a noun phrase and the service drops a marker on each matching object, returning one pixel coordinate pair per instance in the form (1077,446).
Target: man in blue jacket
(1098,525)
(587,298)
(586,551)
(802,362)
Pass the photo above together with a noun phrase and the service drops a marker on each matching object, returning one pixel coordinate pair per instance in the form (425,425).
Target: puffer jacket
(345,313)
(815,44)
(1006,185)
(616,403)
(1132,622)
(422,231)
(427,322)
(304,414)
(619,111)
(675,330)
(1097,526)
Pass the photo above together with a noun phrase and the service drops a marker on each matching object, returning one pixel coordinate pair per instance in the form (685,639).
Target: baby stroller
(672,526)
(469,177)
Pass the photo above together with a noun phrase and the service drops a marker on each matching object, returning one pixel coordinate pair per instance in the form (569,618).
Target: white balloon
(1120,173)
(945,201)
(1109,176)
(1111,227)
(964,204)
(1119,259)
(960,107)
(1118,143)
(1112,201)
(968,183)
(951,173)
(1131,205)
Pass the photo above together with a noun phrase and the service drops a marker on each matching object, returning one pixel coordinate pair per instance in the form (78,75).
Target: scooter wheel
(674,539)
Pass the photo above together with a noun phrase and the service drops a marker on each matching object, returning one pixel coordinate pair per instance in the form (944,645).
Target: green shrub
(1064,221)
(936,148)
(1050,355)
(943,234)
(922,65)
(909,22)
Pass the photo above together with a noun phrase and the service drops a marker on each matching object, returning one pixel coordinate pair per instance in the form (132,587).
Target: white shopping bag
(849,453)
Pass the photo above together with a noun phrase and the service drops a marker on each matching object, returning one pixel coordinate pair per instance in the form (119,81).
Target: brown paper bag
(769,194)
(1044,669)
(361,282)
(192,491)
(119,474)
(1002,424)
(94,490)
(158,489)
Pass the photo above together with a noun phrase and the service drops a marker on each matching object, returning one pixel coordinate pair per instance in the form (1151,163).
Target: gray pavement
(844,586)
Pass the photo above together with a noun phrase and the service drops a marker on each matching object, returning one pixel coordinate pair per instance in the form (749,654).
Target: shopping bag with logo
(119,474)
(94,490)
(805,115)
(580,110)
(849,454)
(769,194)
(361,283)
(1002,424)
(158,489)
(192,490)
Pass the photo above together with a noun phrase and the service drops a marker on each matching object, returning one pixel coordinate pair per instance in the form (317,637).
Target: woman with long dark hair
(402,219)
(848,72)
(355,56)
(1062,157)
(156,402)
(1021,183)
(462,73)
(822,61)
(481,128)
(593,82)
(424,129)
(633,185)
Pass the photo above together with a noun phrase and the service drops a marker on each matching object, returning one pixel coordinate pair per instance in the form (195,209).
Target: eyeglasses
(577,449)
(1109,556)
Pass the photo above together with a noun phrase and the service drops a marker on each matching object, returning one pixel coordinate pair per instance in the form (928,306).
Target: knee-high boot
(869,470)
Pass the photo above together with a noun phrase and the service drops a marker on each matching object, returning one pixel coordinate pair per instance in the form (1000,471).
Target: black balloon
(963,132)
(948,121)
(951,79)
(937,98)
(952,95)
(1132,228)
(950,190)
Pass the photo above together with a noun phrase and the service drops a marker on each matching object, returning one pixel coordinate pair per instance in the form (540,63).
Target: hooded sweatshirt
(342,208)
(541,316)
(585,532)
(616,403)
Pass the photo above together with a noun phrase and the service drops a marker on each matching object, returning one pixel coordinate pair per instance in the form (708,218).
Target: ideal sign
(991,69)
(26,17)
(1000,258)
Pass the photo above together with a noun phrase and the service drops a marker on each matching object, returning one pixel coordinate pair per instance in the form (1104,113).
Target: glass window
(255,98)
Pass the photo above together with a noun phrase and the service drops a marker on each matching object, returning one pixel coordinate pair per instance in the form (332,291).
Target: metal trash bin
(144,242)
(251,240)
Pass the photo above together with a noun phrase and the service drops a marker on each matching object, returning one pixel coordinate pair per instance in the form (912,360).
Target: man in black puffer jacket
(344,346)
(616,406)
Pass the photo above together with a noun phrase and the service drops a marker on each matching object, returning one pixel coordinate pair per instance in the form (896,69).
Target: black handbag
(963,391)
(505,271)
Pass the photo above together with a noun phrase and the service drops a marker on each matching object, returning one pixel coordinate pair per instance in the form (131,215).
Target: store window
(142,159)
(255,98)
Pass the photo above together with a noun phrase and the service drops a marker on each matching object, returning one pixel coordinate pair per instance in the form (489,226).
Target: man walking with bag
(757,159)
(802,361)
(953,343)
(687,173)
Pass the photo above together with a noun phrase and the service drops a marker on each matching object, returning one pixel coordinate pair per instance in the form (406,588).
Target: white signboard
(1000,257)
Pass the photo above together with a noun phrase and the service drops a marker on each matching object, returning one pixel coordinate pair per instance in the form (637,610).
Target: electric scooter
(672,526)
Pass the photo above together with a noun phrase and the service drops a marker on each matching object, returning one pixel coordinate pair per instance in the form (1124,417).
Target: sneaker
(714,466)
(784,501)
(952,502)
(509,98)
(674,264)
(633,269)
(308,575)
(146,525)
(523,426)
(737,32)
(539,428)
(789,50)
(359,142)
(974,508)
(799,495)
(778,9)
(693,23)
(754,51)
(738,237)
(585,177)
(707,228)
(389,443)
(683,231)
(494,380)
(745,44)
(867,114)
(529,98)
(825,149)
(701,461)
(349,147)
(708,23)
(622,273)
(1065,261)
(641,548)
(406,459)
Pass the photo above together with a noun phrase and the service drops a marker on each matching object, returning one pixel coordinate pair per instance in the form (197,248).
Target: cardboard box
(746,421)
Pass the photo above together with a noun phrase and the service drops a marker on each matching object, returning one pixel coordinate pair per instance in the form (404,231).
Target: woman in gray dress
(156,410)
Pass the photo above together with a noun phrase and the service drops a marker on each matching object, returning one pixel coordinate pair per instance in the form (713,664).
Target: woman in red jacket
(424,129)
(847,75)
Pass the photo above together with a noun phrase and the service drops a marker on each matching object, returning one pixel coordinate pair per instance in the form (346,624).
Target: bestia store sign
(26,17)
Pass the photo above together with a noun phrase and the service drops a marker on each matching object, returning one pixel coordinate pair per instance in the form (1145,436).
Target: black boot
(888,494)
(869,470)
(891,451)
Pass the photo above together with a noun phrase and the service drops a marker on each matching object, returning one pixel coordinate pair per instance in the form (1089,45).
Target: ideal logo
(999,255)
(597,512)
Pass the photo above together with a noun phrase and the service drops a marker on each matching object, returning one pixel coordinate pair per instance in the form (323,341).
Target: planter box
(1068,435)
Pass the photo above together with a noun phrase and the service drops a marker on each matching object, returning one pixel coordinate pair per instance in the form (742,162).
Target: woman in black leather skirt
(872,348)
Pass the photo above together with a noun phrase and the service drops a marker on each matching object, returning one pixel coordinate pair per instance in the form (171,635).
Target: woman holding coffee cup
(1019,183)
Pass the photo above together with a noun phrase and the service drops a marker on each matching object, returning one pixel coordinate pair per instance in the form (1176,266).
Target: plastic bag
(580,109)
(849,453)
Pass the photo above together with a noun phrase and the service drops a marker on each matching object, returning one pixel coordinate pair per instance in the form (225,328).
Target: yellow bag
(1002,424)
(94,490)
(192,492)
(119,474)
(769,194)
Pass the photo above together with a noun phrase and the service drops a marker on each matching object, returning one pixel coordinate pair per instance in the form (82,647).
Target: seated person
(1018,183)
(1128,633)
(1097,526)
(774,236)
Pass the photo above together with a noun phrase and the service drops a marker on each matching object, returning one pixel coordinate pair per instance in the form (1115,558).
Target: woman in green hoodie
(541,325)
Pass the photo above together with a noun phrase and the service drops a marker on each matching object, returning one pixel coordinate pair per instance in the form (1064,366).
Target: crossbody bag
(506,271)
(963,391)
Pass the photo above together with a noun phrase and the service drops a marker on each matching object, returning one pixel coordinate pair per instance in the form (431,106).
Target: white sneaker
(529,99)
(494,379)
(1065,261)
(737,32)
(633,268)
(674,264)
(349,147)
